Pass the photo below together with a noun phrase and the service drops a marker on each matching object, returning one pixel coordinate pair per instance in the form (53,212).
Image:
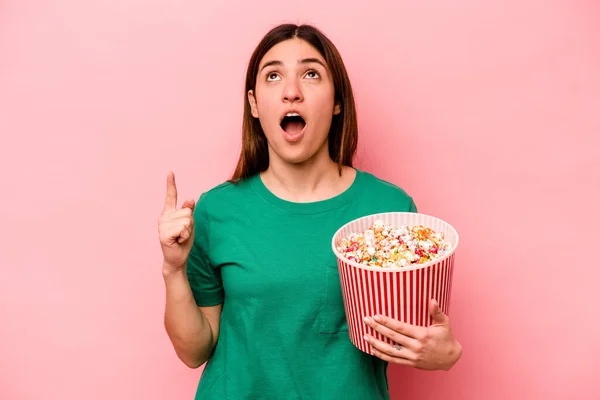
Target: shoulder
(220,200)
(225,193)
(383,186)
(382,189)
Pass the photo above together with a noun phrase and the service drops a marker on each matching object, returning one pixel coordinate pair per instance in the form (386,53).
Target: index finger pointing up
(171,199)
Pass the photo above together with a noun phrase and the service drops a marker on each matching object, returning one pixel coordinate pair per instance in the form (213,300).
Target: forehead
(290,52)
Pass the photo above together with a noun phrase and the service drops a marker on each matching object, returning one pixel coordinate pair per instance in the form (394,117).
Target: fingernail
(377,318)
(366,337)
(367,320)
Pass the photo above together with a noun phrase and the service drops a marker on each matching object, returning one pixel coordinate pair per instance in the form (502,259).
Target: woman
(251,281)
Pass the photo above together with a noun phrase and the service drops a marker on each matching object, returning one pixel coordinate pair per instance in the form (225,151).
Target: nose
(292,92)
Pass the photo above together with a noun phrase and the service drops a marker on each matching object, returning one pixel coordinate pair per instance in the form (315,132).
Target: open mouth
(292,124)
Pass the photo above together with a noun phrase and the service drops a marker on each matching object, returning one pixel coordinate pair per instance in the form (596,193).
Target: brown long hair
(343,134)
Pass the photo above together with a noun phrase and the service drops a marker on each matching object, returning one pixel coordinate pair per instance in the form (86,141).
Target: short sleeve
(413,206)
(205,279)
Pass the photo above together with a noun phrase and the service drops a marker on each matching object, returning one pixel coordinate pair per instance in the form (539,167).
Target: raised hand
(175,228)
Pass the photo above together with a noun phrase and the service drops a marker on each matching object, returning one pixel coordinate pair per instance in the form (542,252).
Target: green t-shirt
(283,333)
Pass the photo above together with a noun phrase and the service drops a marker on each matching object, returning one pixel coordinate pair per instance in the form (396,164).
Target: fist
(175,228)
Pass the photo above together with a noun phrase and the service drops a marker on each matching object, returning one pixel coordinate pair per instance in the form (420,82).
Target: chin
(297,158)
(300,154)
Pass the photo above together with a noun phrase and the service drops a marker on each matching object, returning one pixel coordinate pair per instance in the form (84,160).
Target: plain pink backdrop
(488,113)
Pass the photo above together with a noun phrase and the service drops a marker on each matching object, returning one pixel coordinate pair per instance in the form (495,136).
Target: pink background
(488,114)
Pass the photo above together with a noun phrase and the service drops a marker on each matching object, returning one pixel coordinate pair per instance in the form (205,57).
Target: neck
(313,180)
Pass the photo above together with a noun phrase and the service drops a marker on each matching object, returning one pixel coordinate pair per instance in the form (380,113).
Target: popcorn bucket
(402,293)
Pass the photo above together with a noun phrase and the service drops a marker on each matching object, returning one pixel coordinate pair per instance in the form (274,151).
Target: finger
(392,351)
(171,199)
(179,214)
(184,235)
(390,359)
(172,228)
(391,328)
(189,203)
(169,234)
(397,337)
(436,312)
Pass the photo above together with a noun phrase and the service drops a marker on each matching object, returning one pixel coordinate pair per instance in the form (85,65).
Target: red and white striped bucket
(399,293)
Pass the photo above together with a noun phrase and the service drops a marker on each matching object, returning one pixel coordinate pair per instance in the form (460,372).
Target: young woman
(251,282)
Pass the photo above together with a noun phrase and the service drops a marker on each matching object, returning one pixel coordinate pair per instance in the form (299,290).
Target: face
(294,101)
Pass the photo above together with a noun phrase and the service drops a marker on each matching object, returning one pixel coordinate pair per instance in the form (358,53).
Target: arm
(193,330)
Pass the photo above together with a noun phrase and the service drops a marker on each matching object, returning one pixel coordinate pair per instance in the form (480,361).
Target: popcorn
(386,246)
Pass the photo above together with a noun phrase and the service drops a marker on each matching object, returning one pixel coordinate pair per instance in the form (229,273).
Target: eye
(273,76)
(312,74)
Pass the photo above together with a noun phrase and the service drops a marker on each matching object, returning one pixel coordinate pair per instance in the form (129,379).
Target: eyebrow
(303,61)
